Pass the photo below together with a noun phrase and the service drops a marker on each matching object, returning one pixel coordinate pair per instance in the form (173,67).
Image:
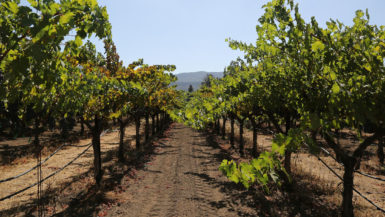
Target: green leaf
(274,147)
(189,114)
(333,75)
(368,67)
(317,46)
(280,148)
(359,13)
(335,88)
(64,19)
(78,41)
(64,77)
(13,7)
(93,3)
(52,31)
(104,13)
(40,34)
(33,3)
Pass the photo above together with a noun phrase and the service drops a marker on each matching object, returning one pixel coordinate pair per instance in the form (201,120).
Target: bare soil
(66,188)
(183,180)
(177,175)
(317,182)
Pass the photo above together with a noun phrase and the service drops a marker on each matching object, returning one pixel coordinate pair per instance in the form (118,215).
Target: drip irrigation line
(367,199)
(52,174)
(357,171)
(370,176)
(49,176)
(45,160)
(79,146)
(29,170)
(355,190)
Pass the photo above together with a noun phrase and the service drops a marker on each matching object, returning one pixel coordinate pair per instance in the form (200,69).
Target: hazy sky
(191,33)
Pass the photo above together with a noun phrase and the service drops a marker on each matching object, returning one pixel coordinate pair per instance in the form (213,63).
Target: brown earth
(177,175)
(68,186)
(183,180)
(317,182)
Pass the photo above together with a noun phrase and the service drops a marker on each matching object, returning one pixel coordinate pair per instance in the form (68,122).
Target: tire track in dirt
(182,180)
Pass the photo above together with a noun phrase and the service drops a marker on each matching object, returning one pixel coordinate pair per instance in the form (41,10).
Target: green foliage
(42,73)
(302,78)
(263,170)
(36,70)
(267,167)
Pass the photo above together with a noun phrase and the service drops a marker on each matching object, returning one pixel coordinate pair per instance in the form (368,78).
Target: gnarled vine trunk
(147,128)
(347,194)
(81,125)
(96,131)
(287,160)
(158,124)
(224,127)
(137,131)
(232,132)
(241,142)
(255,142)
(122,127)
(153,125)
(217,126)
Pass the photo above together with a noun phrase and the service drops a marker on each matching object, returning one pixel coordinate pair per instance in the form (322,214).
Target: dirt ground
(182,180)
(67,186)
(177,175)
(310,174)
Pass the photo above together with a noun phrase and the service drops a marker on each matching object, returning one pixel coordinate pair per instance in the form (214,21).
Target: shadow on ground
(303,200)
(89,200)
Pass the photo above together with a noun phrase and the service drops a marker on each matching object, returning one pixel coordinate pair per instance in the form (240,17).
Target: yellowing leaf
(317,46)
(33,91)
(377,49)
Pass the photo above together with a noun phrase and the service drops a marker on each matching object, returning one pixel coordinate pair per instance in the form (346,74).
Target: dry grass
(308,170)
(74,182)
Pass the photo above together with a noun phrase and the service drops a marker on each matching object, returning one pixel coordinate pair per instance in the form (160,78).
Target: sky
(191,33)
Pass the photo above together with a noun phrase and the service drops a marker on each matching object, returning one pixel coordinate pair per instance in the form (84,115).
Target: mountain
(193,78)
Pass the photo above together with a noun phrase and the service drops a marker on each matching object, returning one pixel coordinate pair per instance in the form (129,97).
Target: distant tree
(190,89)
(206,81)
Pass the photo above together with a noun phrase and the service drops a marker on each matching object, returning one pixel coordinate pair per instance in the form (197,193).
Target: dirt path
(182,180)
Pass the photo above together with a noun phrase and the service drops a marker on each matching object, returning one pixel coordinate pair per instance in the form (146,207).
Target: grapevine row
(308,82)
(46,79)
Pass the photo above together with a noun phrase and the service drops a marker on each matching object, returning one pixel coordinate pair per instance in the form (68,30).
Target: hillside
(193,78)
